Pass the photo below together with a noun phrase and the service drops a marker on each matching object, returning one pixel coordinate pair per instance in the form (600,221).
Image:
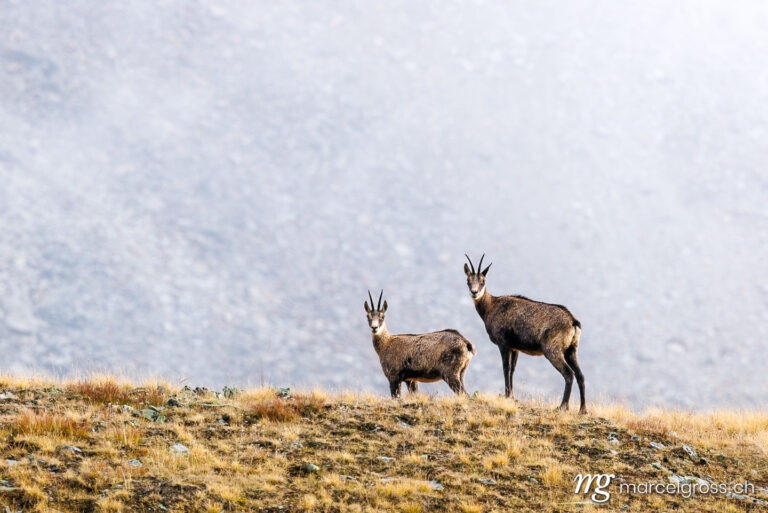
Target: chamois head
(476,280)
(375,316)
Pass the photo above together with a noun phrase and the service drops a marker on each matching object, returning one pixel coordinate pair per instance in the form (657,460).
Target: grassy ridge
(103,445)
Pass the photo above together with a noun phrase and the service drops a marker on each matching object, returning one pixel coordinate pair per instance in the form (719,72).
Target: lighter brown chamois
(518,324)
(425,358)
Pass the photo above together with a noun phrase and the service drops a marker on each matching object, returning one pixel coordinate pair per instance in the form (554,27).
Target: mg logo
(600,481)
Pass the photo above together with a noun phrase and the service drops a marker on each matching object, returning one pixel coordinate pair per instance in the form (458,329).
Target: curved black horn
(470,263)
(371,298)
(480,265)
(380,295)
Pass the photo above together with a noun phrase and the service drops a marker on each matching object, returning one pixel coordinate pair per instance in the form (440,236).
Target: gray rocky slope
(205,190)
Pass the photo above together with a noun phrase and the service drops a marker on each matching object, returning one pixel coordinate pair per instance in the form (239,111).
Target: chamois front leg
(512,356)
(394,388)
(413,387)
(504,350)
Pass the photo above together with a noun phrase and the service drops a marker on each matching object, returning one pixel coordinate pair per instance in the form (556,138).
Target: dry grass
(311,451)
(109,391)
(30,422)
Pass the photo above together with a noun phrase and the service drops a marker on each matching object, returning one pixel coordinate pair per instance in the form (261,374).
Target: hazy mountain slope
(207,191)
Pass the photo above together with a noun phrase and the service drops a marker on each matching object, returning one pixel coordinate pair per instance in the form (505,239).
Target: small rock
(11,462)
(148,414)
(135,463)
(386,459)
(297,444)
(487,480)
(614,452)
(690,451)
(179,449)
(5,486)
(613,441)
(7,396)
(174,403)
(688,479)
(635,438)
(435,485)
(657,445)
(347,478)
(215,405)
(285,393)
(153,413)
(230,392)
(403,425)
(675,479)
(72,449)
(747,498)
(673,434)
(311,468)
(533,480)
(703,461)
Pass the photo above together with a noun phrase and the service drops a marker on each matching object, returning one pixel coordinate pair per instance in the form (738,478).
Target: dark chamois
(517,324)
(428,357)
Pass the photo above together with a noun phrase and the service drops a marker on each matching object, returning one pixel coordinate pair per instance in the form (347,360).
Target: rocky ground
(100,445)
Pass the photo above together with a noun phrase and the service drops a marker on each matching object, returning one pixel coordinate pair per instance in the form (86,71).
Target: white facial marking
(479,294)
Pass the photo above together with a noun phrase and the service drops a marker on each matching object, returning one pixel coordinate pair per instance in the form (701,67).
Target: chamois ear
(486,269)
(384,309)
(466,270)
(367,308)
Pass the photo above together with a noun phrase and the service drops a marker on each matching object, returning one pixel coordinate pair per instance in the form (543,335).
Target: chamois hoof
(583,411)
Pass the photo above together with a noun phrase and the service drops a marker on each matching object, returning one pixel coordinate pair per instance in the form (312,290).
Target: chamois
(518,324)
(428,357)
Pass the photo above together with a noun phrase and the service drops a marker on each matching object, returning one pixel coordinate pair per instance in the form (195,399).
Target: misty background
(205,190)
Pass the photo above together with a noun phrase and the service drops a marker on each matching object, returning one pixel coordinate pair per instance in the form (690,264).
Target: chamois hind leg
(454,381)
(572,359)
(462,372)
(557,359)
(413,387)
(394,389)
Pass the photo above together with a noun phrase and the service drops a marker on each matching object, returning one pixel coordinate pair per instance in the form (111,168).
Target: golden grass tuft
(282,409)
(553,474)
(109,391)
(68,425)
